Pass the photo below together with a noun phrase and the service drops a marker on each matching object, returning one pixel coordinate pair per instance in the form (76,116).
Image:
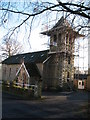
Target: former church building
(55,66)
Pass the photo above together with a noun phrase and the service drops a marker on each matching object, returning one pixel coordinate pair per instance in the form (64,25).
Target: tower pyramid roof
(61,26)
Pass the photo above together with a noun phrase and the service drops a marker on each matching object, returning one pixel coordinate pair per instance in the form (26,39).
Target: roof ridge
(38,56)
(62,21)
(30,52)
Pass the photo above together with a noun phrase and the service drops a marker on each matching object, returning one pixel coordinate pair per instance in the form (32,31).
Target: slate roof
(34,57)
(62,22)
(32,70)
(62,25)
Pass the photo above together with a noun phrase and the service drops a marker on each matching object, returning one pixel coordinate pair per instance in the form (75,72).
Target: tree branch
(64,5)
(74,12)
(19,25)
(80,10)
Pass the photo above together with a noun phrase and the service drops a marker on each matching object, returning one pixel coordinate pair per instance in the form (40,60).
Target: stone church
(55,67)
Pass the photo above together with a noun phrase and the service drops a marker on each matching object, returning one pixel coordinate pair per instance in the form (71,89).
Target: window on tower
(68,77)
(69,60)
(59,36)
(55,40)
(70,40)
(10,72)
(66,37)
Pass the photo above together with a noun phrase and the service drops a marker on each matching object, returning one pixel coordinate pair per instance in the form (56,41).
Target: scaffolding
(64,53)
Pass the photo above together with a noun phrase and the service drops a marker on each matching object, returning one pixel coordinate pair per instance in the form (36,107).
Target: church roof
(61,25)
(32,57)
(32,70)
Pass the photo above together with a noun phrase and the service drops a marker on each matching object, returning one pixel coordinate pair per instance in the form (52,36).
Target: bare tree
(10,47)
(27,14)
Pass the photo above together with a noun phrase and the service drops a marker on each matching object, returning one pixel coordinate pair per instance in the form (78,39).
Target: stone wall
(40,67)
(49,73)
(9,71)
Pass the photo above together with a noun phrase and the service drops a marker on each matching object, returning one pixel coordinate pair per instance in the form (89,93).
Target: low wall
(19,92)
(31,91)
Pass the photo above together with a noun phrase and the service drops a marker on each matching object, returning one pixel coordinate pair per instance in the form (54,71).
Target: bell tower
(60,65)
